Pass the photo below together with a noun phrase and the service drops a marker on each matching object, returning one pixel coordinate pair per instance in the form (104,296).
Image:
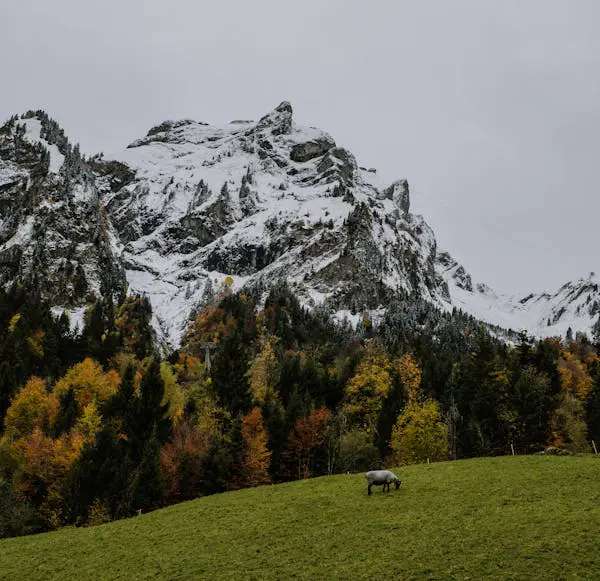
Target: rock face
(190,205)
(195,203)
(55,236)
(303,152)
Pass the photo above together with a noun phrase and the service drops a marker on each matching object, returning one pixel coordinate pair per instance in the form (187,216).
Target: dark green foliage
(151,419)
(134,327)
(16,518)
(80,285)
(392,407)
(8,388)
(236,452)
(230,383)
(215,468)
(102,472)
(593,412)
(122,468)
(32,341)
(277,431)
(67,414)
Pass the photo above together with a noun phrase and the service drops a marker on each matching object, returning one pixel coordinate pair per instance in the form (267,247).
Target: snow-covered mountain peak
(54,234)
(258,201)
(192,206)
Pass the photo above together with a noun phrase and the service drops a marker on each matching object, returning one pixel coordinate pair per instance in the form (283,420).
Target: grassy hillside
(502,518)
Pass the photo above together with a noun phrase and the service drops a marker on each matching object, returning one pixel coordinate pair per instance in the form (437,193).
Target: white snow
(10,172)
(563,309)
(295,214)
(22,236)
(33,133)
(76,317)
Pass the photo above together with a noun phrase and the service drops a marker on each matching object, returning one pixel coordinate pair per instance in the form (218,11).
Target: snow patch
(33,132)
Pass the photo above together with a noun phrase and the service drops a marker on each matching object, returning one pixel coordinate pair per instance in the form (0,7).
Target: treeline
(95,426)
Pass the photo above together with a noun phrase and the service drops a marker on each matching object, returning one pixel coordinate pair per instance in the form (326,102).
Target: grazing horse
(382,477)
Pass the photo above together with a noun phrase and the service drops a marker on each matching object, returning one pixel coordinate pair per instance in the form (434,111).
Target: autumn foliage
(256,454)
(98,426)
(34,407)
(308,434)
(89,382)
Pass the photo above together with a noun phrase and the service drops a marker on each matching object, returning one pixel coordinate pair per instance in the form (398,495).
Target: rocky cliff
(192,208)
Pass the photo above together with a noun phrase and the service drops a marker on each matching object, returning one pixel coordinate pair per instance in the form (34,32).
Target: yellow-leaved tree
(32,408)
(367,389)
(88,382)
(174,395)
(257,456)
(409,372)
(264,372)
(567,424)
(420,432)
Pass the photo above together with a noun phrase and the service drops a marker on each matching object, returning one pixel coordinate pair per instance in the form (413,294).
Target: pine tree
(215,468)
(67,415)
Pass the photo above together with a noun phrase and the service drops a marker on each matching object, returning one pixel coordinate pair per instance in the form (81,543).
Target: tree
(8,387)
(33,408)
(44,463)
(174,397)
(574,376)
(181,460)
(67,415)
(16,517)
(409,373)
(367,390)
(357,452)
(419,434)
(308,435)
(133,323)
(593,411)
(88,382)
(150,416)
(215,468)
(256,455)
(264,373)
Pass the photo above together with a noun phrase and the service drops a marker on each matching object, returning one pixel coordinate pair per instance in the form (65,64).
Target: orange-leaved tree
(44,463)
(308,434)
(181,460)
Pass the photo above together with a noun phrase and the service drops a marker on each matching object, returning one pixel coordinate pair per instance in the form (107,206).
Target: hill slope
(508,518)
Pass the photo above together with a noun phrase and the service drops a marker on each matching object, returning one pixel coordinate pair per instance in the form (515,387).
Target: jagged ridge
(189,205)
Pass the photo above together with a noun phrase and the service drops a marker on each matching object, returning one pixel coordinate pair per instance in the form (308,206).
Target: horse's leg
(370,489)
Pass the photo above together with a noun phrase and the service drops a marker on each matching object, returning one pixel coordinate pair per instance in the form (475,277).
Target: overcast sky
(491,109)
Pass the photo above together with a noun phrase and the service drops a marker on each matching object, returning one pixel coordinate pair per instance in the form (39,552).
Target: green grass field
(500,518)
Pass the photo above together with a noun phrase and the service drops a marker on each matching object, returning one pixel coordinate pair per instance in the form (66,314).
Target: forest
(98,425)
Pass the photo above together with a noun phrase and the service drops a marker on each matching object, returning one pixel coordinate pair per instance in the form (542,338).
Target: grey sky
(491,109)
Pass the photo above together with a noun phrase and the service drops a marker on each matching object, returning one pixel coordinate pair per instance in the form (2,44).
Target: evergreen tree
(215,468)
(67,415)
(593,412)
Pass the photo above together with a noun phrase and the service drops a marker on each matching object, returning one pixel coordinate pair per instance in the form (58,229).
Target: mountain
(575,305)
(55,236)
(193,208)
